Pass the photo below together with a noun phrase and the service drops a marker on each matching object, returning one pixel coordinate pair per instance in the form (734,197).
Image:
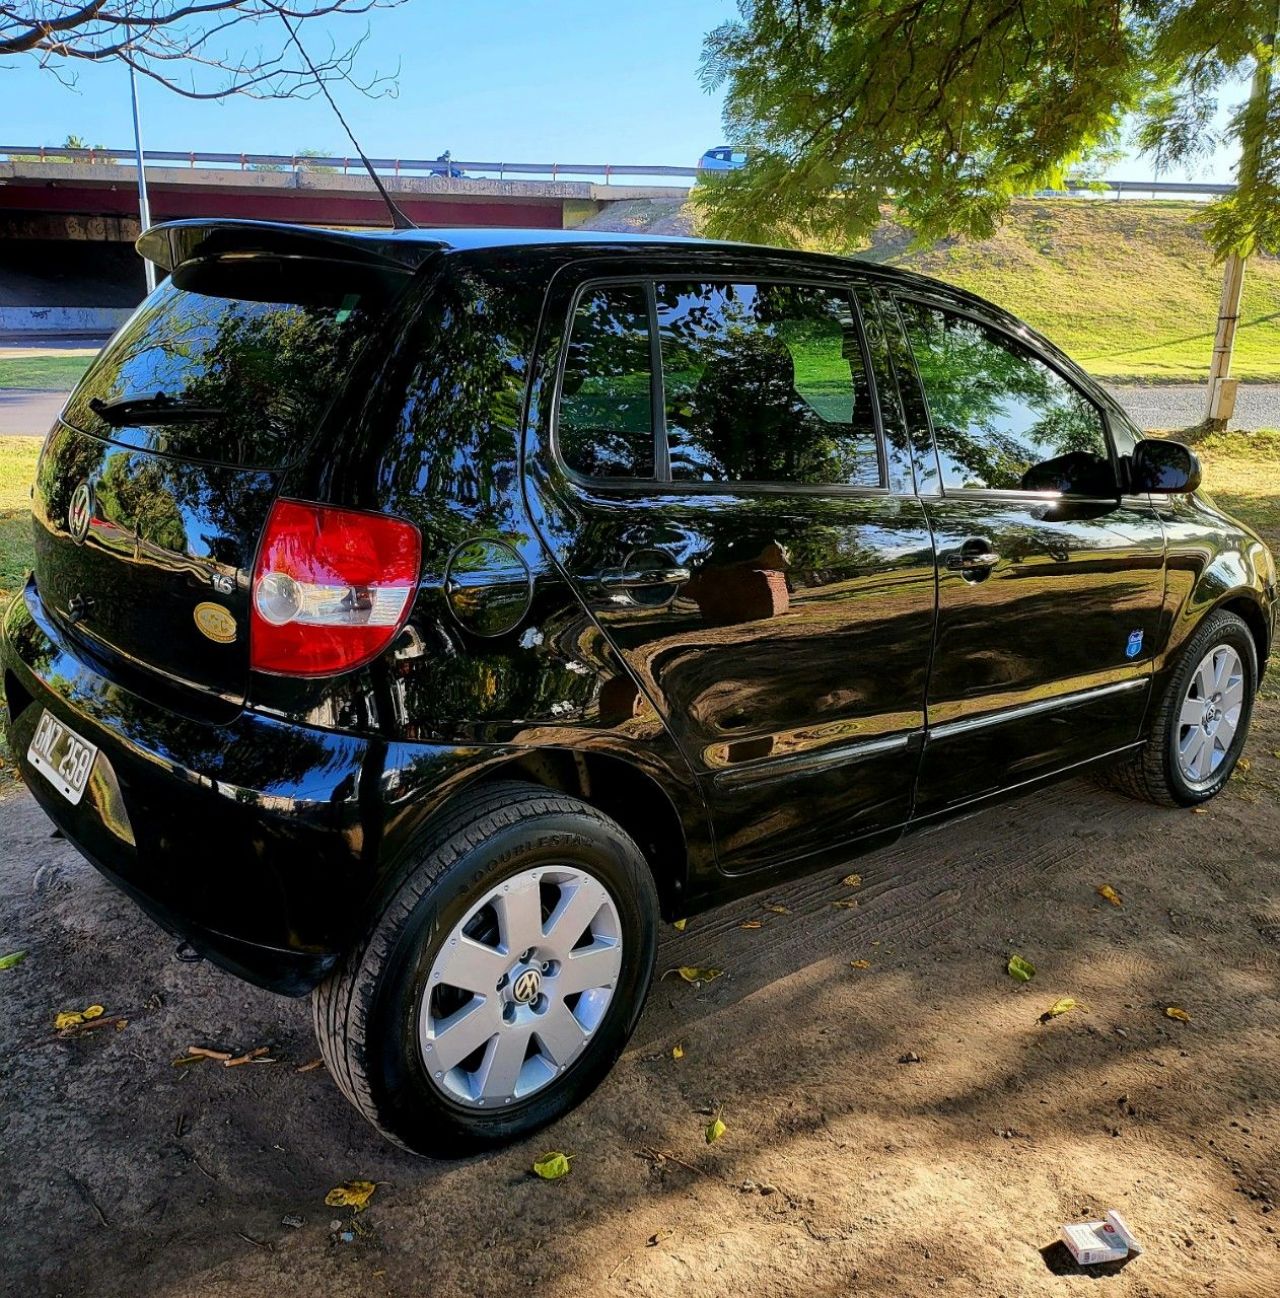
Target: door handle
(975,555)
(674,576)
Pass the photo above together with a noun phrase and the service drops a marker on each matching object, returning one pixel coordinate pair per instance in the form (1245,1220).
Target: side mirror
(1166,467)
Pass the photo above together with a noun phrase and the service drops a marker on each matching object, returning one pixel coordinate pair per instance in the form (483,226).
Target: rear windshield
(248,355)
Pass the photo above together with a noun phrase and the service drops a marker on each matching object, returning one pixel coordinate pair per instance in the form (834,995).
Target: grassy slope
(1129,289)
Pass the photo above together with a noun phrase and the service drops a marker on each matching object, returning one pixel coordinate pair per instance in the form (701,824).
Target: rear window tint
(255,376)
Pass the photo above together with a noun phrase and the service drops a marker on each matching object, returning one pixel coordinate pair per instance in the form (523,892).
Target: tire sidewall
(1221,629)
(410,1103)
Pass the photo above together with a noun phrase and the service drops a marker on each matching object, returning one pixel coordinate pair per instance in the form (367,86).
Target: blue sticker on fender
(1134,647)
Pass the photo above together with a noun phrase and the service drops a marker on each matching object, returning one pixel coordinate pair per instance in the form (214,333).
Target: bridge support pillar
(576,210)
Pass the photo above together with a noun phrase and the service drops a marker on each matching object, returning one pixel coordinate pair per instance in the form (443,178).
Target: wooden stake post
(1222,388)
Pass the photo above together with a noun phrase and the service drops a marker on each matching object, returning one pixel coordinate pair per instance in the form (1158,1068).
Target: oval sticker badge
(215,622)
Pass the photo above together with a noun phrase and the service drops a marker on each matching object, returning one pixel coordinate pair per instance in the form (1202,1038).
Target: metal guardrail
(392,166)
(503,170)
(1122,187)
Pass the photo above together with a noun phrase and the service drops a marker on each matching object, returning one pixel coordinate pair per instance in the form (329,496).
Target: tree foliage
(203,49)
(950,108)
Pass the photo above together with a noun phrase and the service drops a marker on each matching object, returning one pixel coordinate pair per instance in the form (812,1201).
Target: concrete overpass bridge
(68,217)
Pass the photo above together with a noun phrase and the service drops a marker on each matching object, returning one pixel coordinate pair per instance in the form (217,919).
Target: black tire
(1152,773)
(366,1012)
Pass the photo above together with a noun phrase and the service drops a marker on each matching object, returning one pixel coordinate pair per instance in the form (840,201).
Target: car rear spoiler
(176,243)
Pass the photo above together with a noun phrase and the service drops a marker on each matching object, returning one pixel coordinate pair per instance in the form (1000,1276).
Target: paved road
(1181,405)
(1152,406)
(26,410)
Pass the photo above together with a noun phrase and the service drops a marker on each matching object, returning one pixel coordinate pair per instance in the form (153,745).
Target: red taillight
(331,589)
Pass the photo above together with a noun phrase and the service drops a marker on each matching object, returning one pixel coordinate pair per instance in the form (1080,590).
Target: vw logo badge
(526,988)
(80,513)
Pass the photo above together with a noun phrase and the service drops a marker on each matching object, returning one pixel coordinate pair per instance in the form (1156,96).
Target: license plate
(61,756)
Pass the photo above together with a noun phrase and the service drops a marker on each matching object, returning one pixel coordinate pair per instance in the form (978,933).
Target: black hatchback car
(419,617)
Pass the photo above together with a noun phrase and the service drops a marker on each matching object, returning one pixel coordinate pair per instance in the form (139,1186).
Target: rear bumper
(259,841)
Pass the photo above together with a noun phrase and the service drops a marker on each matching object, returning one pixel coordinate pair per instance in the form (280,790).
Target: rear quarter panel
(437,441)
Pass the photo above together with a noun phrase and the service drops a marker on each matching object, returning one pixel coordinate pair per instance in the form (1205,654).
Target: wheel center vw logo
(527,987)
(80,513)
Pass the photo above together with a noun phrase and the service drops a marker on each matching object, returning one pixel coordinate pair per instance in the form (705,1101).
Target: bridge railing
(506,170)
(338,162)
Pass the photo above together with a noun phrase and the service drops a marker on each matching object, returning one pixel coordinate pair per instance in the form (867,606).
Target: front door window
(1002,418)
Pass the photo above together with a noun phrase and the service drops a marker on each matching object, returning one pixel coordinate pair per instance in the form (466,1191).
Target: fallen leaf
(552,1166)
(12,960)
(1108,893)
(679,925)
(692,975)
(845,905)
(677,1051)
(1177,1012)
(1063,1005)
(859,964)
(852,881)
(776,909)
(715,1129)
(751,923)
(350,1194)
(1023,970)
(74,1018)
(1243,764)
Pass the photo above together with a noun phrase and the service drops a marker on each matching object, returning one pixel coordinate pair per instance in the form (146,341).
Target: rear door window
(235,364)
(605,421)
(765,382)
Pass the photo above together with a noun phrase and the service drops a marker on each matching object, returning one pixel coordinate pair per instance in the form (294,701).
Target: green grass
(1128,289)
(17,468)
(1242,474)
(53,373)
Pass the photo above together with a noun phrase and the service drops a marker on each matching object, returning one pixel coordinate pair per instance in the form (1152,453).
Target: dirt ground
(844,1171)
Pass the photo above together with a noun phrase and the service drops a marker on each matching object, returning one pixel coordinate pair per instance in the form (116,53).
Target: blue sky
(563,81)
(490,80)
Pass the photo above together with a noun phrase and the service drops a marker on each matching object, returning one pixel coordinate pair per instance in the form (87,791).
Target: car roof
(172,242)
(183,236)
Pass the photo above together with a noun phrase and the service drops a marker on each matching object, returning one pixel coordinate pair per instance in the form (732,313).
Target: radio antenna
(398,218)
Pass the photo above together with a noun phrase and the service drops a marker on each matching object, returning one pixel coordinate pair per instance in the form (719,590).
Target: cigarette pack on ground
(1108,1240)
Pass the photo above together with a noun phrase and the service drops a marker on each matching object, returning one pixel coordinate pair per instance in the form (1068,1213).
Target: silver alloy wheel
(520,986)
(1210,715)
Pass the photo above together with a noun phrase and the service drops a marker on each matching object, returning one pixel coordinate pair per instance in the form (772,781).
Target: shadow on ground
(842,1171)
